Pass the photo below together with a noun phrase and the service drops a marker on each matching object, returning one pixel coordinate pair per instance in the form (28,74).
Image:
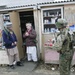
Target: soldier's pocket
(68,56)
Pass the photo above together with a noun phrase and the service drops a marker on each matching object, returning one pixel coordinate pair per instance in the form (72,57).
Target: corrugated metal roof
(39,4)
(20,6)
(17,7)
(56,2)
(12,3)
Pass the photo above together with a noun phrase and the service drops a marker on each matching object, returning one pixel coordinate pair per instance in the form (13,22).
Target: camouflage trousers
(65,63)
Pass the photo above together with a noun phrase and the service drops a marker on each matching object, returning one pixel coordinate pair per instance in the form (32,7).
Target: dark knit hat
(8,24)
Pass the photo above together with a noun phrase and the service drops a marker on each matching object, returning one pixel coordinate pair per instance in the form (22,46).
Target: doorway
(25,17)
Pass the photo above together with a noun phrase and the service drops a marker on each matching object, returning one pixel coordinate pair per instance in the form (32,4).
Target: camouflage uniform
(74,37)
(66,51)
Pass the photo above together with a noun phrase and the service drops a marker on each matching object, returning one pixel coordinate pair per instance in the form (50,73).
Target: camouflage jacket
(64,41)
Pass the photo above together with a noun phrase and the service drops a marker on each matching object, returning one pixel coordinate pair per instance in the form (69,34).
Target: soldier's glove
(74,42)
(65,41)
(59,51)
(71,44)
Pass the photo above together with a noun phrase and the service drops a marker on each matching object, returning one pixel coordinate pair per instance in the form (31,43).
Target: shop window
(50,17)
(6,18)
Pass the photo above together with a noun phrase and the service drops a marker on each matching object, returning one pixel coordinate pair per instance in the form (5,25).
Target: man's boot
(19,63)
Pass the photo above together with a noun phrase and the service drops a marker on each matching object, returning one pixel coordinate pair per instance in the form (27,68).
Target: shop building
(43,17)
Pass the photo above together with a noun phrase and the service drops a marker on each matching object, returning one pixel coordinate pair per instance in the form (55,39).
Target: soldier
(65,47)
(74,38)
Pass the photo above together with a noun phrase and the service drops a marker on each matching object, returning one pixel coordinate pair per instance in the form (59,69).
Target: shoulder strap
(71,35)
(6,32)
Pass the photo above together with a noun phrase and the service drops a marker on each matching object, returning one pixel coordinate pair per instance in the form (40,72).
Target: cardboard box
(3,57)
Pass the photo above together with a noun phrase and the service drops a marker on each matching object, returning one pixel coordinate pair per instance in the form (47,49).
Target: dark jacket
(31,39)
(8,39)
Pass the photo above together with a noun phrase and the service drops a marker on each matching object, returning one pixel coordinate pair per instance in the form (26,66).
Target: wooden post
(14,18)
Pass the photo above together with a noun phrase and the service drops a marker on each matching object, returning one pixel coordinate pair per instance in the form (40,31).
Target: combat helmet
(61,23)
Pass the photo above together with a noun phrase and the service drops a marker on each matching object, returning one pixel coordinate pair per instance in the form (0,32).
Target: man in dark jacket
(10,43)
(30,40)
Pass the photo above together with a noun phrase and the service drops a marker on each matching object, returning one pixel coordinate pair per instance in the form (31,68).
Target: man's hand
(27,34)
(15,43)
(12,44)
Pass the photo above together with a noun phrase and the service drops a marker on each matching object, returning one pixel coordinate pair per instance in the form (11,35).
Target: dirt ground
(50,68)
(31,68)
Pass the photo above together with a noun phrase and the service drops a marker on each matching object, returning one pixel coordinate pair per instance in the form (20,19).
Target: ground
(31,68)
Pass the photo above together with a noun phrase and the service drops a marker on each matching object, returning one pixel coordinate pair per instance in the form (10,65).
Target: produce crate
(52,56)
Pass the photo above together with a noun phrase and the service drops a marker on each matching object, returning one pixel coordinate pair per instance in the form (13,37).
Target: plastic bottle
(45,30)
